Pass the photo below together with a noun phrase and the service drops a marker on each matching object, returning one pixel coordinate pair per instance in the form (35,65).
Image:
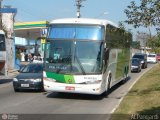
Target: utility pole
(79,5)
(1,15)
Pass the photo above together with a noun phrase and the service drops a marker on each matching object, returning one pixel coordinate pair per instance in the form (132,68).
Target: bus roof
(82,21)
(2,32)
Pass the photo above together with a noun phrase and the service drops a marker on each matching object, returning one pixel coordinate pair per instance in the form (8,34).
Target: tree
(146,14)
(136,44)
(154,43)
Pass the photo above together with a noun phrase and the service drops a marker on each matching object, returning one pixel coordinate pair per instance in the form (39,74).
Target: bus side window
(106,56)
(2,42)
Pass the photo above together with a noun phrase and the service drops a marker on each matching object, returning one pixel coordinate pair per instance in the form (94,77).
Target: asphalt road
(59,106)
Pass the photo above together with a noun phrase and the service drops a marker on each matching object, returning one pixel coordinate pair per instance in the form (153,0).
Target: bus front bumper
(95,89)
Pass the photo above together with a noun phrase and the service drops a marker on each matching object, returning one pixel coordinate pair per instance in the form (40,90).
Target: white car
(152,58)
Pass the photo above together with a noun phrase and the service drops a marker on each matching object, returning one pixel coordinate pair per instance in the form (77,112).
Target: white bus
(2,53)
(86,56)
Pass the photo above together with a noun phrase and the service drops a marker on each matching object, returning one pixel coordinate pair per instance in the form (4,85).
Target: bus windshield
(81,32)
(2,42)
(74,57)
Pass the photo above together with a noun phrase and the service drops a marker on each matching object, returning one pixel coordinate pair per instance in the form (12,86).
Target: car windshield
(151,56)
(32,68)
(138,56)
(135,62)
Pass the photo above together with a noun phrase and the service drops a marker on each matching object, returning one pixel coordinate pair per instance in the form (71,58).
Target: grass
(143,98)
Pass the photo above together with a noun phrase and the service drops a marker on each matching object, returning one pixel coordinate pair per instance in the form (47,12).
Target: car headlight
(15,79)
(36,80)
(93,82)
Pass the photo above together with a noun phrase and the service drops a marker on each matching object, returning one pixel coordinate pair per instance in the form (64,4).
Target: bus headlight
(93,82)
(49,79)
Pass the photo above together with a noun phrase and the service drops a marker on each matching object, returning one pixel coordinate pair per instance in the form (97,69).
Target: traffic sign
(8,10)
(43,41)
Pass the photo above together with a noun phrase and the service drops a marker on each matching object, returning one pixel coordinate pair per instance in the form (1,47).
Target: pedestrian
(26,57)
(30,58)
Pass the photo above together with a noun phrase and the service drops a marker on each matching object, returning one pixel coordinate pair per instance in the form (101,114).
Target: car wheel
(146,65)
(16,90)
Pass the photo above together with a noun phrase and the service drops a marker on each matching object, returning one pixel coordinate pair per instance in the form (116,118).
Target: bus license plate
(24,85)
(70,88)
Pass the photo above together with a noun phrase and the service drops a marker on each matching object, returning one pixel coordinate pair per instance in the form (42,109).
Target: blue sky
(37,10)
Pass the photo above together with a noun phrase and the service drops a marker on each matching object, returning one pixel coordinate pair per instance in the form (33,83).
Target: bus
(2,52)
(86,56)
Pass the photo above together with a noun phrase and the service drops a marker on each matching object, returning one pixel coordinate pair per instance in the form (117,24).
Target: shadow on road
(74,96)
(105,95)
(3,81)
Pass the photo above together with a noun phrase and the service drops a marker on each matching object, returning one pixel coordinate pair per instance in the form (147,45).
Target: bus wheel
(109,82)
(125,75)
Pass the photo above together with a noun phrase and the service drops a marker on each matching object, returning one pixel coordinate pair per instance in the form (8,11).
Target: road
(97,107)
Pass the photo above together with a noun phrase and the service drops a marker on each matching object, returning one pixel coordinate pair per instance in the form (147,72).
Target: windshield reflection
(80,57)
(32,68)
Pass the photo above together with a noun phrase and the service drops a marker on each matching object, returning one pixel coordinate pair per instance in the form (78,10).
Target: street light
(79,5)
(102,14)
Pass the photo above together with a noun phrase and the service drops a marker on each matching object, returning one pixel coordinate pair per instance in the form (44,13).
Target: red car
(158,57)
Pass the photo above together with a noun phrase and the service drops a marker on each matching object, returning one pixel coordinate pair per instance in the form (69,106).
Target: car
(21,67)
(136,65)
(158,57)
(152,58)
(143,58)
(30,77)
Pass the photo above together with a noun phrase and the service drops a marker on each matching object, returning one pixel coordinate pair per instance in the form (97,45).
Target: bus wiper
(79,63)
(65,60)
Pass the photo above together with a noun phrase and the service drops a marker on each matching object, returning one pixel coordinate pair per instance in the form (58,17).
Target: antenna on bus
(79,5)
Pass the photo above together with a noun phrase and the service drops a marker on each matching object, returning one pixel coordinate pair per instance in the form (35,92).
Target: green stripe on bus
(61,77)
(69,79)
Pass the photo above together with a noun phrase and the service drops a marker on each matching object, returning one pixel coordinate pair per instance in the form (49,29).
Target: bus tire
(109,82)
(125,75)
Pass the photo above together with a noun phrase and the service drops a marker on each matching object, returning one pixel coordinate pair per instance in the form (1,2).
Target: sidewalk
(11,74)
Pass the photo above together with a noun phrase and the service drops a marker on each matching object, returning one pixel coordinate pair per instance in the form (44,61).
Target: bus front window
(89,55)
(59,51)
(74,57)
(74,49)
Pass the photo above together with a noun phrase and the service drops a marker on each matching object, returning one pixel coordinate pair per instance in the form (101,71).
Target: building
(28,36)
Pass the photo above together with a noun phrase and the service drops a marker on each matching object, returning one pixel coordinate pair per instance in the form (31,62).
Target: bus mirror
(105,45)
(103,62)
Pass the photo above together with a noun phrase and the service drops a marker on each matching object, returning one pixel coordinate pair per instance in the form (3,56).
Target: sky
(40,10)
